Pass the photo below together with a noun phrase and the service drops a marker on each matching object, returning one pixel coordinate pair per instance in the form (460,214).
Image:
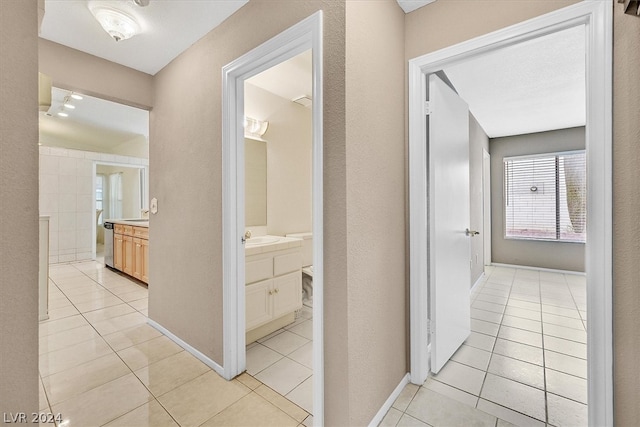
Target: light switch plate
(153,206)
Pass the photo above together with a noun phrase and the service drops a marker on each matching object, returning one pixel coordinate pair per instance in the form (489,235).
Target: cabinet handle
(270,292)
(277,290)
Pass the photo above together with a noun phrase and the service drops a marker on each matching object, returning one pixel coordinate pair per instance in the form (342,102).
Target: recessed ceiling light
(70,106)
(76,96)
(63,114)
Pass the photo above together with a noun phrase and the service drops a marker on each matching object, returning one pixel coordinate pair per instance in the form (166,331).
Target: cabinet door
(127,255)
(145,261)
(138,258)
(287,293)
(118,248)
(258,298)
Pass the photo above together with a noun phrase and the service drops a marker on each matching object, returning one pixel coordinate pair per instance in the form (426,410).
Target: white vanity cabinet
(273,290)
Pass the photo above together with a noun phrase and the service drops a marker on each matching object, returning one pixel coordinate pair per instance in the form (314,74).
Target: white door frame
(597,18)
(303,36)
(486,207)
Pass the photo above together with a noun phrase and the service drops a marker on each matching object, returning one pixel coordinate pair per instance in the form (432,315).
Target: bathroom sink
(262,240)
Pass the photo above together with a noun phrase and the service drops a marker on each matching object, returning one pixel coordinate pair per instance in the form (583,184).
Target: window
(545,197)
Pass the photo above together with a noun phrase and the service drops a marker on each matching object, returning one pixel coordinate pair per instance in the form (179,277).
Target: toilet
(307,266)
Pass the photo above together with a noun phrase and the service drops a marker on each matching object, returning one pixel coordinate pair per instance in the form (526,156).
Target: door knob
(471,233)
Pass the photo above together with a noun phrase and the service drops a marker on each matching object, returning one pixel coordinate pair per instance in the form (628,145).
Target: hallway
(524,362)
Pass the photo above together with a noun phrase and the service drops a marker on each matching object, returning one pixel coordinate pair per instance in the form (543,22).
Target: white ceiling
(168,28)
(534,86)
(290,79)
(95,122)
(411,5)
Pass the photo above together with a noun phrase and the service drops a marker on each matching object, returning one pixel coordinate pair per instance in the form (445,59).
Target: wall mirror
(255,154)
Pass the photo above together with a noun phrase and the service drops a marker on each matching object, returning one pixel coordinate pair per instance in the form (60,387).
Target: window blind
(545,197)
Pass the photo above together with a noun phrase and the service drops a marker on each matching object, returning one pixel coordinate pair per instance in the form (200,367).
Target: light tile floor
(102,364)
(283,360)
(524,363)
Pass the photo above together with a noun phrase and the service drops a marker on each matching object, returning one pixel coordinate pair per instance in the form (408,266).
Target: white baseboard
(389,402)
(548,270)
(204,359)
(478,282)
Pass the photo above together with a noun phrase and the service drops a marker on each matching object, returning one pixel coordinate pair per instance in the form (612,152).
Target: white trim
(377,419)
(546,270)
(597,18)
(303,36)
(204,359)
(478,282)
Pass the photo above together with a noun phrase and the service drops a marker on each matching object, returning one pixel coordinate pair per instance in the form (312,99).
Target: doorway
(304,36)
(120,192)
(597,21)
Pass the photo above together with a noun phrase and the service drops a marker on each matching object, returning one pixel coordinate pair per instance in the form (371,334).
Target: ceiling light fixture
(116,23)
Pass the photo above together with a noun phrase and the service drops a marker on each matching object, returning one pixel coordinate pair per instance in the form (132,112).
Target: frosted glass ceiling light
(117,24)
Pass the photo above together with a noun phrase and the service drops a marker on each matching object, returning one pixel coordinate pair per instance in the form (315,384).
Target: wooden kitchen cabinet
(128,255)
(131,251)
(118,251)
(141,259)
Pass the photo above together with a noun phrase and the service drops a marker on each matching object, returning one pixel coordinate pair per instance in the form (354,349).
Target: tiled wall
(66,196)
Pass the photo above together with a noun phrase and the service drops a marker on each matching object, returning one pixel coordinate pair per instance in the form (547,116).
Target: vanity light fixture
(62,114)
(76,96)
(116,23)
(69,106)
(255,127)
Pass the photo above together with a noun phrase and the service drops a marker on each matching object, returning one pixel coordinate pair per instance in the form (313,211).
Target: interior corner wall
(72,69)
(19,207)
(376,204)
(626,227)
(533,253)
(478,140)
(185,261)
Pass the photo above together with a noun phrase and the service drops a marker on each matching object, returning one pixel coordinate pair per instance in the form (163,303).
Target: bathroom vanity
(131,248)
(273,279)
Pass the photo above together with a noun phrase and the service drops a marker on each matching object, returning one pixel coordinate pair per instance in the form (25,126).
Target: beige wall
(375,204)
(187,283)
(626,227)
(555,255)
(72,69)
(288,160)
(478,140)
(18,207)
(364,178)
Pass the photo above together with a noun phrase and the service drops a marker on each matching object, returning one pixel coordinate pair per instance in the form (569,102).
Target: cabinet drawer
(141,232)
(258,270)
(118,229)
(287,263)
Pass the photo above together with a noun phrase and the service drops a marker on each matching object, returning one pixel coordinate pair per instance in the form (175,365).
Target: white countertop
(281,243)
(135,222)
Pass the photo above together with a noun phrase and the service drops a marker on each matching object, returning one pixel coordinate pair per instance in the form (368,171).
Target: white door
(449,246)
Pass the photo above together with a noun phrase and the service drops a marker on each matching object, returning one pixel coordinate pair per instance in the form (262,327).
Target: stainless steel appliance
(108,244)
